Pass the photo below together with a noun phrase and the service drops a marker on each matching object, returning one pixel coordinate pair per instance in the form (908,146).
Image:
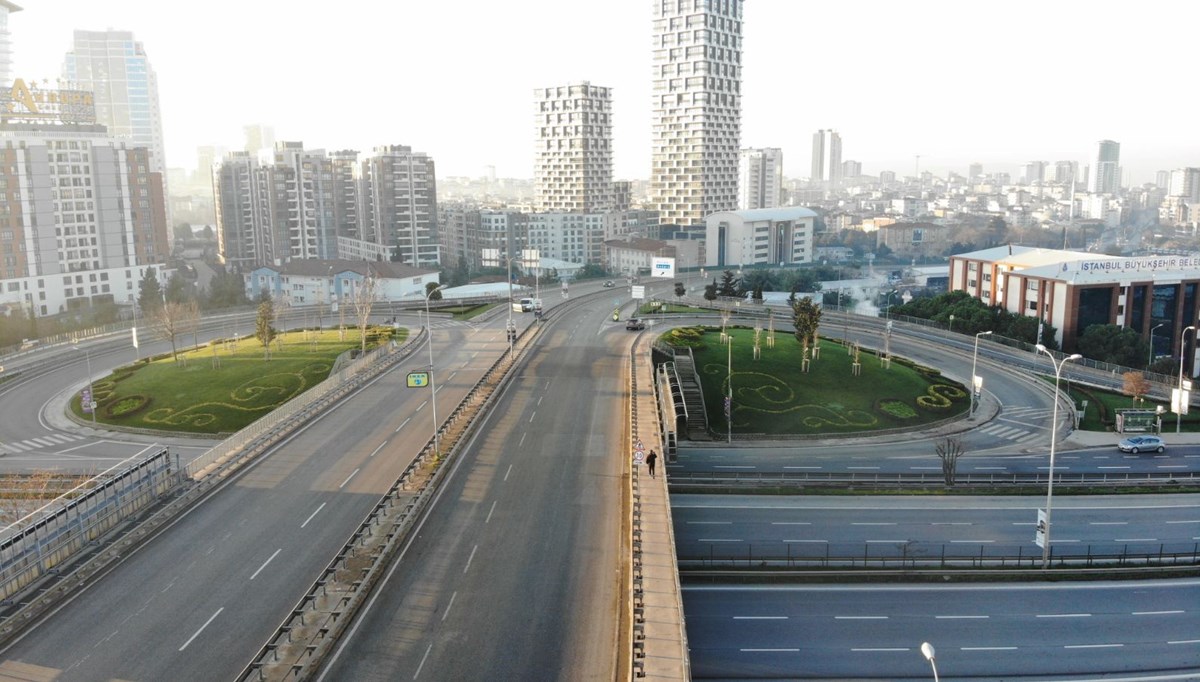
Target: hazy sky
(953,82)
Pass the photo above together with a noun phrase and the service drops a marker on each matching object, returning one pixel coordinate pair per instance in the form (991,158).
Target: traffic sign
(418,379)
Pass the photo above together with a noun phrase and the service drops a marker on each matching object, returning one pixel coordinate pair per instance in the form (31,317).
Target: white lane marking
(532,416)
(1124,467)
(506,473)
(310,516)
(422,664)
(860,617)
(926,468)
(540,401)
(1135,539)
(951,523)
(1184,641)
(710,523)
(862,468)
(734,466)
(760,617)
(352,474)
(719,540)
(264,564)
(1092,646)
(961,617)
(988,648)
(816,541)
(378,449)
(1108,523)
(1156,613)
(489,516)
(1187,521)
(1063,615)
(1171,466)
(768,651)
(522,439)
(888,542)
(447,611)
(470,558)
(991,468)
(452,375)
(421,406)
(206,624)
(402,425)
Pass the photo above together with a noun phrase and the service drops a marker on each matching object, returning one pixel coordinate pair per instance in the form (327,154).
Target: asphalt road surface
(1057,631)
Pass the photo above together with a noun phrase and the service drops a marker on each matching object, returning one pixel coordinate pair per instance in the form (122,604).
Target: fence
(695,478)
(51,535)
(801,555)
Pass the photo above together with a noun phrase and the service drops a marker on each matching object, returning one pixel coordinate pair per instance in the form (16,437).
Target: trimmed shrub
(940,397)
(125,406)
(897,409)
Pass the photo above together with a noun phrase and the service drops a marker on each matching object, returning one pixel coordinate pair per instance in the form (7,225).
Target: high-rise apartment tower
(6,74)
(697,104)
(826,157)
(1106,171)
(760,178)
(572,170)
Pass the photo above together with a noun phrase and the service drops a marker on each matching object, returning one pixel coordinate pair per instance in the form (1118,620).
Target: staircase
(693,397)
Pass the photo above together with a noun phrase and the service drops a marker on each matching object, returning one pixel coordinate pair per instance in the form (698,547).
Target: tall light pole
(1053,439)
(729,395)
(1150,359)
(976,381)
(928,652)
(437,447)
(91,396)
(1180,404)
(887,308)
(952,324)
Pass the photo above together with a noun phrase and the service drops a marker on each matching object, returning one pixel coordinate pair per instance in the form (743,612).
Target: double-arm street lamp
(437,448)
(1053,439)
(1180,403)
(976,381)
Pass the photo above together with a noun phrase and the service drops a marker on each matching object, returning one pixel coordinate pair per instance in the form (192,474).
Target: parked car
(635,324)
(608,284)
(1136,444)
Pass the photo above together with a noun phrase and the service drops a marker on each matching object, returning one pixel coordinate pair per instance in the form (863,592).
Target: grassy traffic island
(225,385)
(845,390)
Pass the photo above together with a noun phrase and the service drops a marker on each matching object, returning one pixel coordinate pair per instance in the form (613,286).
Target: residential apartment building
(572,168)
(400,204)
(760,178)
(826,157)
(1105,177)
(6,74)
(697,105)
(82,214)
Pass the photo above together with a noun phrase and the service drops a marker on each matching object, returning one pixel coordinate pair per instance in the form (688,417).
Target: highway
(731,525)
(196,602)
(513,575)
(1148,630)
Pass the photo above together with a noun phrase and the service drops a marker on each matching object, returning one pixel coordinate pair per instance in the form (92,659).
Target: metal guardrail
(819,556)
(679,478)
(52,535)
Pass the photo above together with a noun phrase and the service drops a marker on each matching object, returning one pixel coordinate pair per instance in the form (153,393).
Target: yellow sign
(27,102)
(418,379)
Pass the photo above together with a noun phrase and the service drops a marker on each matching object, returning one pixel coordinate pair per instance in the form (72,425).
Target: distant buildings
(6,74)
(307,204)
(826,157)
(760,178)
(573,161)
(1106,169)
(697,109)
(765,236)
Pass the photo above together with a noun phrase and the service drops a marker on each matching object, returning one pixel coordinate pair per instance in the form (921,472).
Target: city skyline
(895,84)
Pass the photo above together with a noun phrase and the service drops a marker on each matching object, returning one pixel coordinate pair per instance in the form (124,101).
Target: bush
(126,406)
(940,397)
(896,408)
(687,337)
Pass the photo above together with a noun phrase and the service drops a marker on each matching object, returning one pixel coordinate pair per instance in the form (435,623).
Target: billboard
(663,267)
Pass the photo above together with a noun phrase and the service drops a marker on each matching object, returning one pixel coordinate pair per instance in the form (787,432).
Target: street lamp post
(1179,400)
(437,447)
(928,652)
(976,381)
(1053,439)
(887,308)
(951,323)
(91,404)
(1150,359)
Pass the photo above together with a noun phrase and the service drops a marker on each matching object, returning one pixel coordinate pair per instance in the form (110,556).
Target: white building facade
(760,178)
(765,236)
(572,170)
(697,108)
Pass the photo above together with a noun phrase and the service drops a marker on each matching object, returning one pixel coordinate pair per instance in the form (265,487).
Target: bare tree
(363,297)
(169,321)
(1135,385)
(949,450)
(264,328)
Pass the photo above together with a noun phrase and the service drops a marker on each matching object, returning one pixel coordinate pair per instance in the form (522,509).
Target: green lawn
(221,388)
(772,395)
(1102,407)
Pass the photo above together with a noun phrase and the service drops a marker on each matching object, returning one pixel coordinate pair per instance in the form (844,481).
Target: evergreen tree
(150,295)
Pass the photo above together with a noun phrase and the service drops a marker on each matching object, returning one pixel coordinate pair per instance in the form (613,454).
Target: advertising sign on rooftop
(29,103)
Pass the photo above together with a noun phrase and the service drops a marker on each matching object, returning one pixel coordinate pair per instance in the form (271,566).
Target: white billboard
(663,267)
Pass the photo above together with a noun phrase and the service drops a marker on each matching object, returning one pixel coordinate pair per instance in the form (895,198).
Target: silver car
(1138,444)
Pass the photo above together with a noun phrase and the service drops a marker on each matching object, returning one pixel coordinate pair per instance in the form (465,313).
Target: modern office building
(572,169)
(1073,290)
(697,108)
(1106,168)
(82,215)
(826,157)
(117,70)
(765,236)
(760,178)
(6,74)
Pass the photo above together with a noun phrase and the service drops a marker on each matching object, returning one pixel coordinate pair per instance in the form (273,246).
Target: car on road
(608,283)
(635,324)
(1136,444)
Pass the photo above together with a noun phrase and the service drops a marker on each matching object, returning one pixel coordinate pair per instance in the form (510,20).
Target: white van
(525,305)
